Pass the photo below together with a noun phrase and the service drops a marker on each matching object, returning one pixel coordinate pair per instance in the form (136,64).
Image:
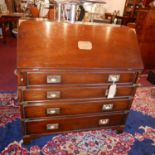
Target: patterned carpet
(137,139)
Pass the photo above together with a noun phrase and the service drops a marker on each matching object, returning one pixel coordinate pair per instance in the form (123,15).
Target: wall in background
(112,5)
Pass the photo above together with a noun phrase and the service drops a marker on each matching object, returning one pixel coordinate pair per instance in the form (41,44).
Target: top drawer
(50,78)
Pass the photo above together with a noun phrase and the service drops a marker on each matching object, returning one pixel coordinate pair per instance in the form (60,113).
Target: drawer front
(74,93)
(63,124)
(48,109)
(76,78)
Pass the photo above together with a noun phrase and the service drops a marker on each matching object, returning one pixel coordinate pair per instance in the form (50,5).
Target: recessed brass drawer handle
(53,79)
(53,94)
(52,126)
(52,111)
(104,121)
(113,78)
(107,107)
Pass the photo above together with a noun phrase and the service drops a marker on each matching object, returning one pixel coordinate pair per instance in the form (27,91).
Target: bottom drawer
(72,123)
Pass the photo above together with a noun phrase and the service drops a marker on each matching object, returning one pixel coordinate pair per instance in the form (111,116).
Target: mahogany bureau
(74,77)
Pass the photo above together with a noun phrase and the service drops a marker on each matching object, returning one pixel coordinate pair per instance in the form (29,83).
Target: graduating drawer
(74,93)
(73,123)
(49,78)
(48,109)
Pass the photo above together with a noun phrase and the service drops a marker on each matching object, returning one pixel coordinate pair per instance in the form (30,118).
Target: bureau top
(46,44)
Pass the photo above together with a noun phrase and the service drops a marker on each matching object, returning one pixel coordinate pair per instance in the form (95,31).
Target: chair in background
(52,10)
(10,5)
(34,11)
(51,14)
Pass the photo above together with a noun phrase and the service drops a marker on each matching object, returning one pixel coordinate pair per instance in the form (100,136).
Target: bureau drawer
(73,93)
(47,108)
(49,78)
(74,123)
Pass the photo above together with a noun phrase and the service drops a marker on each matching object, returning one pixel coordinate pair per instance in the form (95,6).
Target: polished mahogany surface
(80,107)
(73,123)
(75,92)
(112,46)
(74,77)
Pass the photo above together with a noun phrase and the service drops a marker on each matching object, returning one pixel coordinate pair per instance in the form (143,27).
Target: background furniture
(13,5)
(123,20)
(132,6)
(145,28)
(71,79)
(34,11)
(11,20)
(2,26)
